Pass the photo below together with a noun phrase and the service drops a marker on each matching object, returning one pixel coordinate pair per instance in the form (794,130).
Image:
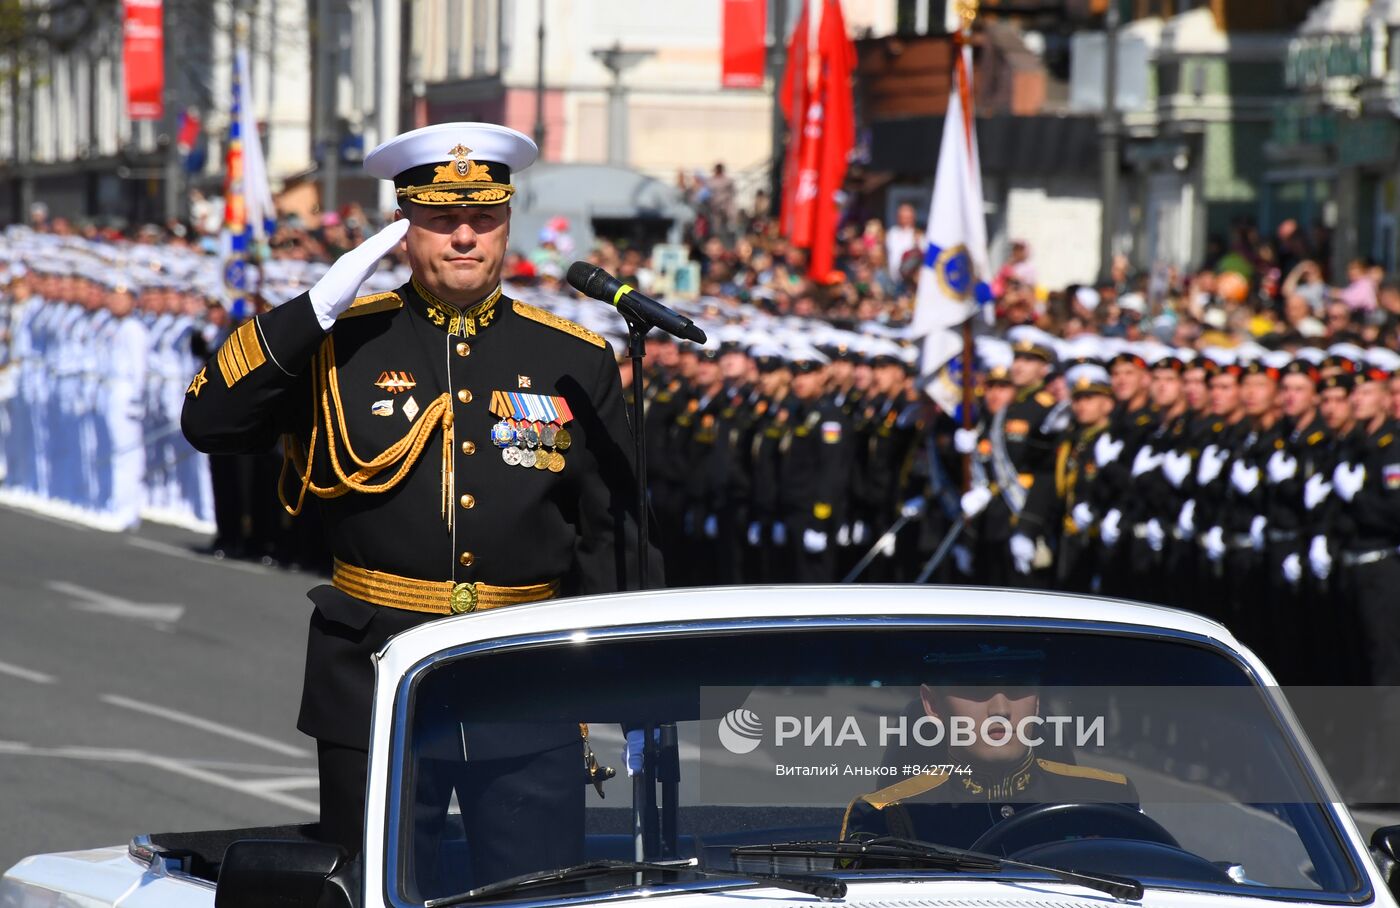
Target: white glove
(755,533)
(1256,532)
(634,748)
(1282,466)
(1319,559)
(1156,536)
(1212,462)
(965,440)
(1315,491)
(814,541)
(1347,480)
(858,532)
(886,545)
(1106,450)
(843,535)
(962,558)
(1022,551)
(1108,527)
(975,501)
(1293,569)
(780,533)
(1213,542)
(1083,515)
(711,527)
(1145,461)
(1244,478)
(1186,521)
(912,508)
(1176,467)
(336,289)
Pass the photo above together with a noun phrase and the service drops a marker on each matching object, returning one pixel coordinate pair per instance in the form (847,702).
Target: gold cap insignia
(461,168)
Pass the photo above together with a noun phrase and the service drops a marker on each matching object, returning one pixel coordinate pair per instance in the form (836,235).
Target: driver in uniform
(1007,775)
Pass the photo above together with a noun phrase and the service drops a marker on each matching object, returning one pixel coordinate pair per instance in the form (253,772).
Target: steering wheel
(1073,819)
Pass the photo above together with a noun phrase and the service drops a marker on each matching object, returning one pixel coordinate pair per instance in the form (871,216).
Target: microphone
(594,282)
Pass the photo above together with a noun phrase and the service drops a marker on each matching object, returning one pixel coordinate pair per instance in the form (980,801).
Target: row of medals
(531,444)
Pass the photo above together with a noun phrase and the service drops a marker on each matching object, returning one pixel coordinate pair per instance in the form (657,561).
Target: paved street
(145,688)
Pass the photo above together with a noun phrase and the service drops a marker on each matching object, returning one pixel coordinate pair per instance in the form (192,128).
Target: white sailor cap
(453,163)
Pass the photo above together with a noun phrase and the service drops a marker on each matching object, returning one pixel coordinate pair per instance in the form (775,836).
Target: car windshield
(1144,756)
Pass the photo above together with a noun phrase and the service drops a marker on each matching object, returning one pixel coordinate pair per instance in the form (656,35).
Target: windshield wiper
(821,886)
(941,857)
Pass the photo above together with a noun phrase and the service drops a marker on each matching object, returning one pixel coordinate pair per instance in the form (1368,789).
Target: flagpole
(967,12)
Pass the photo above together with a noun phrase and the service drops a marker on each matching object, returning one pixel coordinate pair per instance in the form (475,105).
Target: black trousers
(516,815)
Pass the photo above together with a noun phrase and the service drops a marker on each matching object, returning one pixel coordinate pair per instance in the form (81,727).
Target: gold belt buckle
(464,598)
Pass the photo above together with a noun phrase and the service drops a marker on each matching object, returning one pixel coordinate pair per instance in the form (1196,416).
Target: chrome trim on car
(143,851)
(700,627)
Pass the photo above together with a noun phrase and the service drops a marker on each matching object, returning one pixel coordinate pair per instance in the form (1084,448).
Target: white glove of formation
(1146,461)
(1293,569)
(1106,450)
(1176,466)
(858,532)
(1022,552)
(1155,535)
(912,508)
(1213,543)
(1186,521)
(1212,462)
(1256,532)
(975,501)
(814,541)
(1108,527)
(780,534)
(1083,515)
(1315,491)
(755,533)
(1347,480)
(843,535)
(337,288)
(1282,466)
(1244,478)
(712,527)
(1319,559)
(965,440)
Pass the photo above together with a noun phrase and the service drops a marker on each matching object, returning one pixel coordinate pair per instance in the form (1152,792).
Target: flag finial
(967,12)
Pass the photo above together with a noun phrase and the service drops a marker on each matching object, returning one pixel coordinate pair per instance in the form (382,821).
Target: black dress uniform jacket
(404,382)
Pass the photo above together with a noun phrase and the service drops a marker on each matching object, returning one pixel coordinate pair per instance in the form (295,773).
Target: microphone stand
(636,348)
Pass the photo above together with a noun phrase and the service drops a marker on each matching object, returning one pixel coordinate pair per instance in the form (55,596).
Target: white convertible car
(887,747)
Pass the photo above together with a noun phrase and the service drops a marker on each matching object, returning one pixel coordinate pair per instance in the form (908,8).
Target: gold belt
(441,597)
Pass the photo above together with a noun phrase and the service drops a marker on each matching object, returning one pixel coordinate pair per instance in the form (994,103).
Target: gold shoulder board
(560,324)
(1082,772)
(1315,438)
(1045,399)
(1385,439)
(369,305)
(908,788)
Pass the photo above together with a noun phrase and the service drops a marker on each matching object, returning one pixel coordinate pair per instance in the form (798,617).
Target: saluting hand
(336,289)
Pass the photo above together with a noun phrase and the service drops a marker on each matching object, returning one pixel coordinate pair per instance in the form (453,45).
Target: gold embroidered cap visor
(453,164)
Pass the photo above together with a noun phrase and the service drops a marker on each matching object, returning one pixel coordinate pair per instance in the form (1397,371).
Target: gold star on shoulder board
(198,382)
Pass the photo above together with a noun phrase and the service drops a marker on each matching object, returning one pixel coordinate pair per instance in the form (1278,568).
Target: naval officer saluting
(477,457)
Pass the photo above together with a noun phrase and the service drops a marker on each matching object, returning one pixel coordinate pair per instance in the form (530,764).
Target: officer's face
(1370,400)
(1166,388)
(1224,394)
(809,385)
(1028,370)
(1014,703)
(1296,395)
(1193,385)
(887,378)
(1335,407)
(457,252)
(998,397)
(707,373)
(1257,393)
(1091,409)
(1129,380)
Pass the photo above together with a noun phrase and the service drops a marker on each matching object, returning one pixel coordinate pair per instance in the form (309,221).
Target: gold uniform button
(468,447)
(467,559)
(463,349)
(464,396)
(468,501)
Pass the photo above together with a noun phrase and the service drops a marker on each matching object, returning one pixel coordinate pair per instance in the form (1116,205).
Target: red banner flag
(837,54)
(144,59)
(744,23)
(793,96)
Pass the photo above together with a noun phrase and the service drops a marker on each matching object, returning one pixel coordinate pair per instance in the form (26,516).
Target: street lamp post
(617,62)
(1108,142)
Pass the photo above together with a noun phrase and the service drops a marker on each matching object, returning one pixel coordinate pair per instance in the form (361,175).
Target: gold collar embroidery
(454,320)
(1004,788)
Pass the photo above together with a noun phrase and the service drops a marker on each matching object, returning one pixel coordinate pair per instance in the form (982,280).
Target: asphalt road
(146,688)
